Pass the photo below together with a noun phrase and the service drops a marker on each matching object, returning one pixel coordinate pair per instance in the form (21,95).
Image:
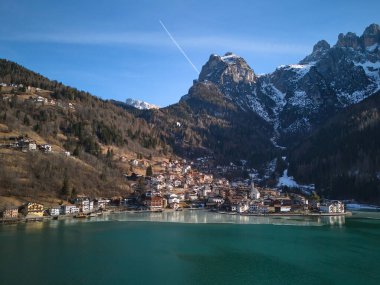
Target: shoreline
(25,220)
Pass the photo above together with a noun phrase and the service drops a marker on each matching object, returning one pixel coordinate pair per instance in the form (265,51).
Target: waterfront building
(332,207)
(85,205)
(69,210)
(242,207)
(9,213)
(102,203)
(54,211)
(153,203)
(33,210)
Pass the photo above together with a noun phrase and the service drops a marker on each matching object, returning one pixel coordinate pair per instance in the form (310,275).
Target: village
(166,185)
(178,186)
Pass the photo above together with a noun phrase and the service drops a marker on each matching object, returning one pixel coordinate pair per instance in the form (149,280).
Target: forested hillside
(95,132)
(343,156)
(204,122)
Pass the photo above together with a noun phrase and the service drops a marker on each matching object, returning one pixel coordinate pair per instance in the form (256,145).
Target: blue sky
(117,49)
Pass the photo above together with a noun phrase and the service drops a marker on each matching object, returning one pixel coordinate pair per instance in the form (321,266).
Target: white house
(86,205)
(32,146)
(45,147)
(177,183)
(332,207)
(242,207)
(103,203)
(205,191)
(216,199)
(186,169)
(69,209)
(285,208)
(54,211)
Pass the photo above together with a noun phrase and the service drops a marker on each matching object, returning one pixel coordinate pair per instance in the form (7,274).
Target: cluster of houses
(40,100)
(37,96)
(25,144)
(179,185)
(81,205)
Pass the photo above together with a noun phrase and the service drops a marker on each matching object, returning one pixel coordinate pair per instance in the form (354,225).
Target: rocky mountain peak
(319,49)
(371,35)
(373,29)
(350,40)
(321,46)
(228,68)
(369,40)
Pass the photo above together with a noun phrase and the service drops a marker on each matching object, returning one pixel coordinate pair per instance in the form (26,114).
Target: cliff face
(297,98)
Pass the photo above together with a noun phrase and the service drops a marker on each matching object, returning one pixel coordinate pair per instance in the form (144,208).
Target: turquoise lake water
(193,248)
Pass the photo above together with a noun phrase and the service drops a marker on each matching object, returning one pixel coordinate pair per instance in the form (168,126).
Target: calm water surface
(193,248)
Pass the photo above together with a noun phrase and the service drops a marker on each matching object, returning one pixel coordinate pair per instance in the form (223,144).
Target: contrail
(179,47)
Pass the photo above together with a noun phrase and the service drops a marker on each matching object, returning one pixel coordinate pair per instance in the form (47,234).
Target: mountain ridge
(295,97)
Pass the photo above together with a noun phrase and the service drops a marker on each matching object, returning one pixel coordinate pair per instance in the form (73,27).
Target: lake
(193,247)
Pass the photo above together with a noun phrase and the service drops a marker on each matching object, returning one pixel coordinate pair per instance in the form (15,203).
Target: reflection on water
(195,217)
(212,218)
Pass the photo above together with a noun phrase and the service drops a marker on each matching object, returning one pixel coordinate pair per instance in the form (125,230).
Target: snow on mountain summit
(141,105)
(230,58)
(296,97)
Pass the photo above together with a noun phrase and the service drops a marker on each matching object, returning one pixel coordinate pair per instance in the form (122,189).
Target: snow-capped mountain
(141,105)
(298,97)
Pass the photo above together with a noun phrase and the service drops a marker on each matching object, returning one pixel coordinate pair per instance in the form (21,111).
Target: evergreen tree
(65,190)
(149,171)
(26,120)
(76,151)
(73,192)
(109,153)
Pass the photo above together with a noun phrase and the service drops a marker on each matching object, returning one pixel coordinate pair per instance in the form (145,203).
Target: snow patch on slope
(299,69)
(256,106)
(347,99)
(289,181)
(279,98)
(372,70)
(300,99)
(286,180)
(372,47)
